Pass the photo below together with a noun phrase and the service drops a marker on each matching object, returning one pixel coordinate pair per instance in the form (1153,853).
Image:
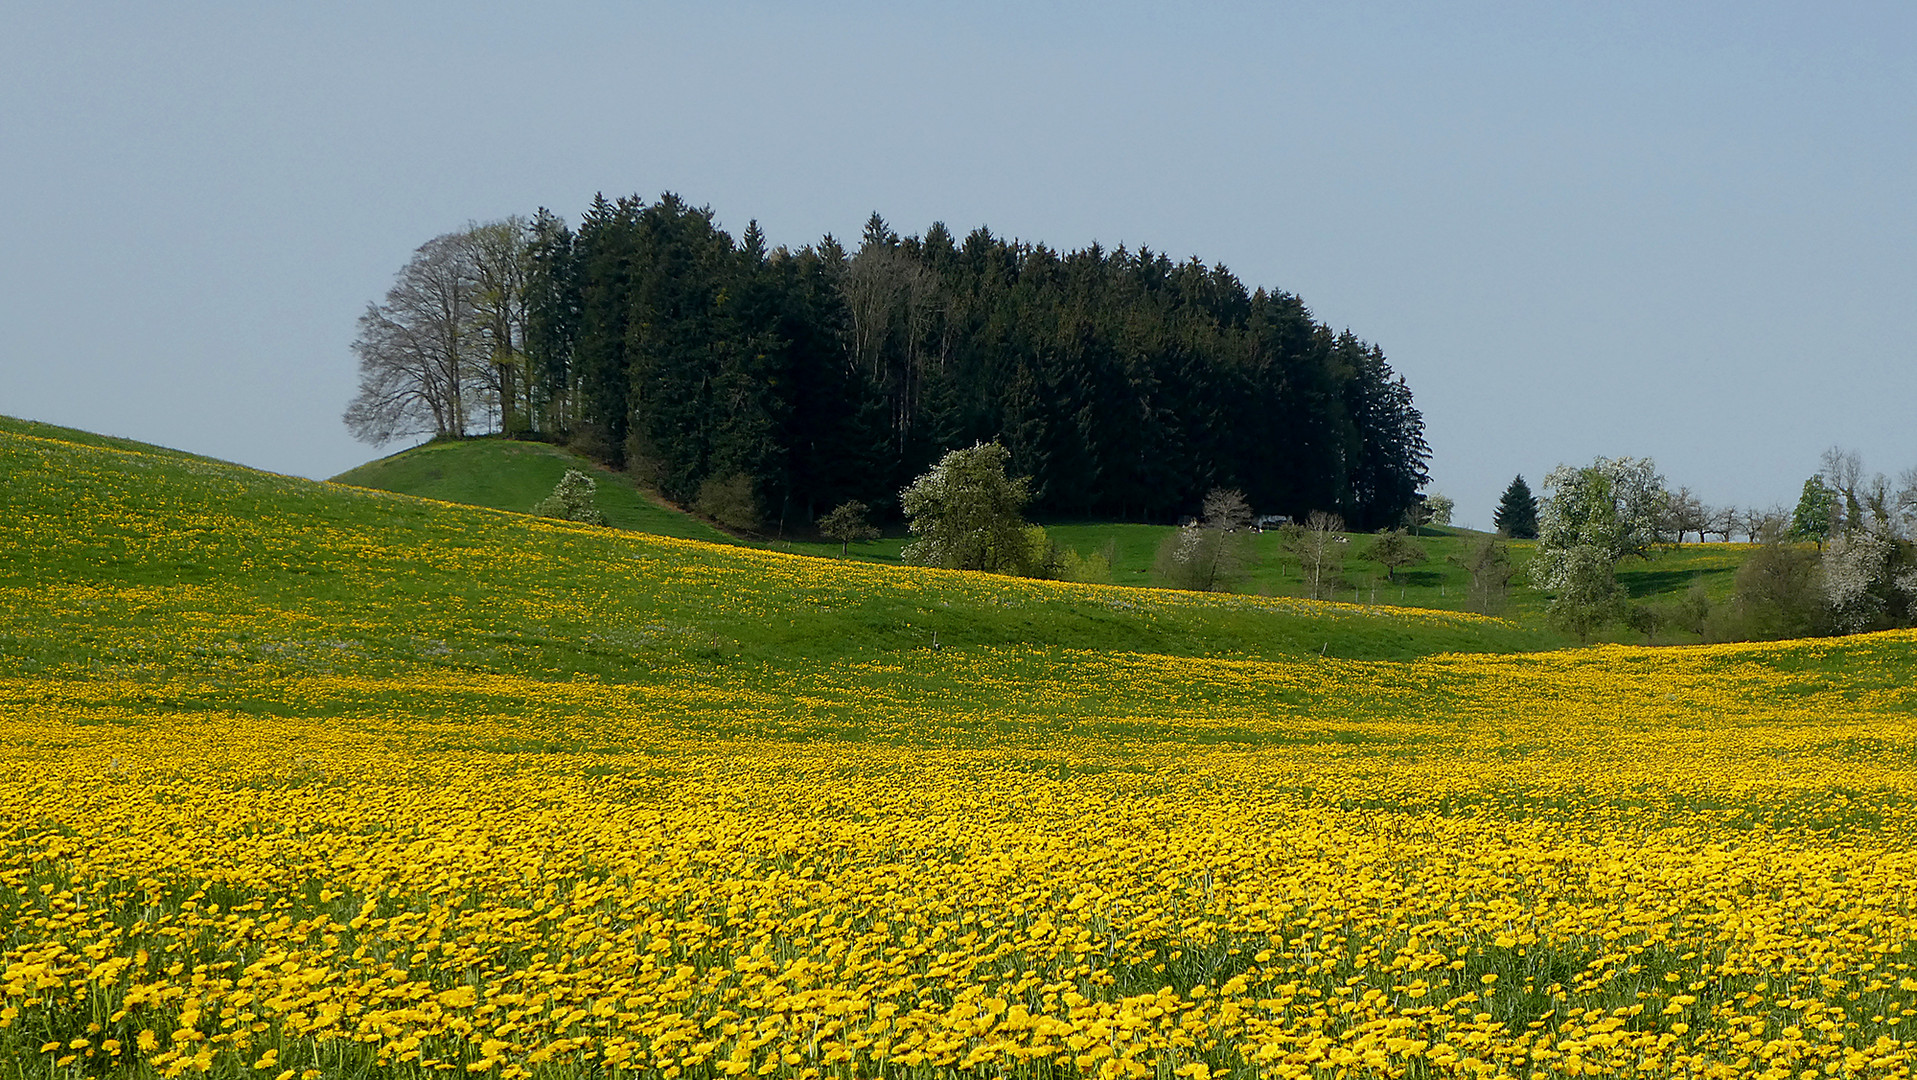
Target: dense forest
(1126,385)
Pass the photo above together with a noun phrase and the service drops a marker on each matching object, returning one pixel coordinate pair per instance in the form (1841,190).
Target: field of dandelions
(301,781)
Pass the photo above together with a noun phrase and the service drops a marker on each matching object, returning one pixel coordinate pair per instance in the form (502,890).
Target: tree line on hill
(770,385)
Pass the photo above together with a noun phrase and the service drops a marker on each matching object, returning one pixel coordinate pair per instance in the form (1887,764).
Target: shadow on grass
(1642,583)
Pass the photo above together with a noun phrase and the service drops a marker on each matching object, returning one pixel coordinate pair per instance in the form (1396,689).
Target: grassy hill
(308,778)
(559,599)
(508,475)
(14,426)
(513,476)
(1439,583)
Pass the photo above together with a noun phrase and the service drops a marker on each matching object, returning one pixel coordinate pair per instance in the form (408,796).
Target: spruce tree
(552,323)
(603,252)
(1517,513)
(1812,518)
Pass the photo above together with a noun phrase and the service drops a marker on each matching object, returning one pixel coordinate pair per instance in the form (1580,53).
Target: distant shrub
(1043,558)
(1093,569)
(732,501)
(590,439)
(1691,613)
(572,500)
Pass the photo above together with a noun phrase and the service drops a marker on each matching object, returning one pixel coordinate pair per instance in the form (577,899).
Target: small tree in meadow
(1212,554)
(1393,550)
(1488,562)
(848,524)
(965,513)
(1318,545)
(1517,512)
(1815,513)
(572,500)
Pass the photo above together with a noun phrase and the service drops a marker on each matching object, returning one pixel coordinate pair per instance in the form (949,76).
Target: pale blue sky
(1682,231)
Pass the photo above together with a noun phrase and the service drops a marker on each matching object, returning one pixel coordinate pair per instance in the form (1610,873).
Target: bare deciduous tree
(445,348)
(1488,562)
(1757,522)
(894,303)
(1843,471)
(1226,510)
(1906,503)
(1721,522)
(1211,554)
(1684,513)
(1319,547)
(416,349)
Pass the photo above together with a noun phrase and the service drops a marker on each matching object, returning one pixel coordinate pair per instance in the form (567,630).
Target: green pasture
(139,583)
(239,574)
(513,476)
(508,475)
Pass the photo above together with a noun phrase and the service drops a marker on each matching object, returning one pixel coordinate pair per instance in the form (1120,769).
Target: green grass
(381,584)
(14,426)
(512,476)
(508,475)
(147,596)
(1438,583)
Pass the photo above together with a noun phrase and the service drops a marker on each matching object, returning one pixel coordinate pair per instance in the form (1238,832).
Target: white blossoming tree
(965,513)
(1592,518)
(573,500)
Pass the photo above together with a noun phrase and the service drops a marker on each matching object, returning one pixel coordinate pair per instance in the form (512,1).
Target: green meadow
(307,780)
(509,475)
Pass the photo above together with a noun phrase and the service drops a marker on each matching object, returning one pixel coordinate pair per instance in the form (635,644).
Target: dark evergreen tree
(751,388)
(603,253)
(837,432)
(1387,469)
(696,402)
(1517,512)
(552,323)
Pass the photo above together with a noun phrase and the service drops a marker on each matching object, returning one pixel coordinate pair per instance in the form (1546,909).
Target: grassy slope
(1437,583)
(149,566)
(409,582)
(14,426)
(513,476)
(255,690)
(506,475)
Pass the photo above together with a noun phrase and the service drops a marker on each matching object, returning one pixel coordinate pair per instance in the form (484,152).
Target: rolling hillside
(559,599)
(307,780)
(509,475)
